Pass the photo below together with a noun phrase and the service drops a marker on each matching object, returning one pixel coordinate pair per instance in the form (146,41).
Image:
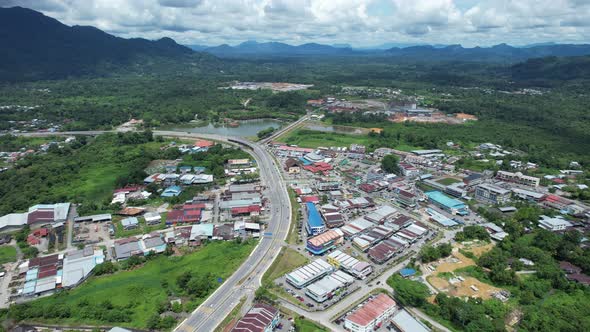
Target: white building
(554,224)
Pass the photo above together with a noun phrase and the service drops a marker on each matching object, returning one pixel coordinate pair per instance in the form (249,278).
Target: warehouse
(451,205)
(315,225)
(381,214)
(309,273)
(324,289)
(371,314)
(350,264)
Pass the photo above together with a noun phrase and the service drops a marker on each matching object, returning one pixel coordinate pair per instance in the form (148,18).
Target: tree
(409,292)
(390,164)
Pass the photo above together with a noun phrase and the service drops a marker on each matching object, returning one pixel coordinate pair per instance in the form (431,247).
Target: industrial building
(492,194)
(309,273)
(326,241)
(349,264)
(371,314)
(324,288)
(404,322)
(451,205)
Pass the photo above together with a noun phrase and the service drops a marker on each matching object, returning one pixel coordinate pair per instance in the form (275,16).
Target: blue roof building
(130,223)
(171,191)
(449,204)
(407,272)
(315,225)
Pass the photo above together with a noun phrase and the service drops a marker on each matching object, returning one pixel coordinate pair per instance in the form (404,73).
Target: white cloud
(358,22)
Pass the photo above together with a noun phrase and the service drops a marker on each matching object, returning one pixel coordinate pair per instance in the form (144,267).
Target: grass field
(142,229)
(306,325)
(287,260)
(142,289)
(313,139)
(7,254)
(447,181)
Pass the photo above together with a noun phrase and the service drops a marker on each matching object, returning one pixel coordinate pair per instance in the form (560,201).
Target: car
(378,282)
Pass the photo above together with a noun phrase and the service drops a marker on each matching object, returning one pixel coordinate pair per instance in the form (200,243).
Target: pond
(247,128)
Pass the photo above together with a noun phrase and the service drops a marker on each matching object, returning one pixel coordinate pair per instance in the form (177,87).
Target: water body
(247,128)
(336,129)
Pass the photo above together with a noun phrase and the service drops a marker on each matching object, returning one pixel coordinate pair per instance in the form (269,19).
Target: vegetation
(287,260)
(7,254)
(430,254)
(408,292)
(264,133)
(305,325)
(313,139)
(389,164)
(472,233)
(135,297)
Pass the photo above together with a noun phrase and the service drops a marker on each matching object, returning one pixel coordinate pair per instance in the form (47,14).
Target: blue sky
(360,23)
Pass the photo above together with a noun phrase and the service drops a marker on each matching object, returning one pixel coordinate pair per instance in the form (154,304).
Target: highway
(244,281)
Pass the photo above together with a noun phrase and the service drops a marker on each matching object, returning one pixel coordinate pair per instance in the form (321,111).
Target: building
(380,215)
(554,224)
(519,178)
(409,170)
(126,248)
(405,198)
(309,273)
(292,166)
(94,218)
(404,322)
(315,225)
(441,218)
(491,194)
(371,315)
(325,288)
(326,241)
(152,218)
(451,205)
(260,318)
(78,264)
(130,223)
(171,191)
(349,264)
(473,179)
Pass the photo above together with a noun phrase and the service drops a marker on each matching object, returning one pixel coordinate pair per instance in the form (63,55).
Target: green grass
(232,318)
(142,229)
(7,254)
(306,325)
(293,236)
(287,260)
(447,181)
(142,289)
(313,139)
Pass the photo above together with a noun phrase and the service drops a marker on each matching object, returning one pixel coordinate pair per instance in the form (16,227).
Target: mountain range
(35,45)
(497,53)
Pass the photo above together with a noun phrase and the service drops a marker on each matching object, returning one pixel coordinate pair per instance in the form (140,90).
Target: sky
(360,23)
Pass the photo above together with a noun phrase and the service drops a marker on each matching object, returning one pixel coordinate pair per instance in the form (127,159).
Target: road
(248,277)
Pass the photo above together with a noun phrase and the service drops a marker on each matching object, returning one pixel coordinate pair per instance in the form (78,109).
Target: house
(130,223)
(554,224)
(171,191)
(152,218)
(260,318)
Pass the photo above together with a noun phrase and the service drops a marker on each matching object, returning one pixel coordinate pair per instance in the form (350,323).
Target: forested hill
(547,72)
(35,46)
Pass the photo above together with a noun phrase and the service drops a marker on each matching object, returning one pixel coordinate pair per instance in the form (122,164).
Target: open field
(7,254)
(313,139)
(306,325)
(444,279)
(287,261)
(139,291)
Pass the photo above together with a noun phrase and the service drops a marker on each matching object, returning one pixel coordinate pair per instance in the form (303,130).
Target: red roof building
(201,143)
(245,210)
(310,199)
(261,317)
(40,216)
(372,314)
